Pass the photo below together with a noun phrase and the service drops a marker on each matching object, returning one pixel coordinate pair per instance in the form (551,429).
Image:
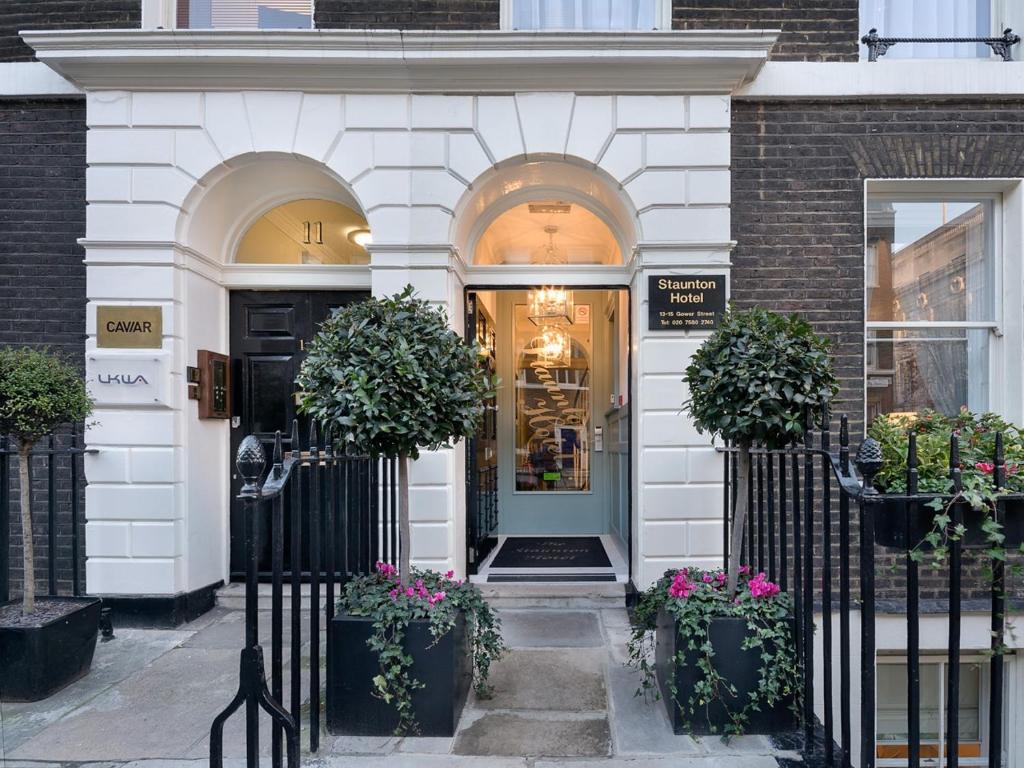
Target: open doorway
(549,470)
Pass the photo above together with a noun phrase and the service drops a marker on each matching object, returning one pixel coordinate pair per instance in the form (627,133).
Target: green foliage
(707,598)
(752,379)
(391,377)
(428,595)
(39,391)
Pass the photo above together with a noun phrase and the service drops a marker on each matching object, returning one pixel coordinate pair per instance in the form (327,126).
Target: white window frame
(662,18)
(163,14)
(1006,344)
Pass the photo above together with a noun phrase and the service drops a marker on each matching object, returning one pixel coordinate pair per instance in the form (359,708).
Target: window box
(898,527)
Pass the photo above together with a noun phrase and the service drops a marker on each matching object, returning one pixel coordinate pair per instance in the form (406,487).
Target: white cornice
(392,61)
(31,78)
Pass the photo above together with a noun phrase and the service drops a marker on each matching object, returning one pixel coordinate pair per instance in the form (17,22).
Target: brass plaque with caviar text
(129,327)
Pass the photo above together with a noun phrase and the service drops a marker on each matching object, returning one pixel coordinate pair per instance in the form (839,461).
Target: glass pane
(929,18)
(930,261)
(553,403)
(584,14)
(245,14)
(941,370)
(970,702)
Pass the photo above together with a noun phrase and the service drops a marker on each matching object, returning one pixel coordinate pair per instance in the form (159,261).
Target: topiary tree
(751,382)
(38,392)
(390,377)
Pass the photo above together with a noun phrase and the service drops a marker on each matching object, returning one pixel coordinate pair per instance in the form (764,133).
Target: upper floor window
(245,14)
(929,18)
(587,14)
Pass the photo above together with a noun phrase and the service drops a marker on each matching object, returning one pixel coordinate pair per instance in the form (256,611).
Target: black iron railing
(56,484)
(793,519)
(1001,46)
(350,505)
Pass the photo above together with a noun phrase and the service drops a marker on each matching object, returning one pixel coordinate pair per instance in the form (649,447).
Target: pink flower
(707,578)
(450,575)
(744,569)
(394,594)
(761,587)
(720,578)
(681,586)
(435,598)
(385,569)
(409,592)
(987,467)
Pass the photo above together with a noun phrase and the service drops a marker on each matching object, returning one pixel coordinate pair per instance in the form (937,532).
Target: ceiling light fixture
(360,237)
(550,306)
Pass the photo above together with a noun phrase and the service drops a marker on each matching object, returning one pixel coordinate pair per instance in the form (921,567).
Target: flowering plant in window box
(723,664)
(989,463)
(402,655)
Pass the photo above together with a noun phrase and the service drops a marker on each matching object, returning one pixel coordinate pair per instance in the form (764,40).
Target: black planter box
(740,667)
(39,661)
(898,527)
(445,669)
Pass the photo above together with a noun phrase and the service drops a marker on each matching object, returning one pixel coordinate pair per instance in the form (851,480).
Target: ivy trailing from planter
(694,598)
(438,598)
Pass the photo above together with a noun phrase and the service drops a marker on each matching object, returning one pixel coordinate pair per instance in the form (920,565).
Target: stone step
(232,597)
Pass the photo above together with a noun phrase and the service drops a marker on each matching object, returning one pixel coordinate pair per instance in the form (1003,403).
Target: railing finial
(250,461)
(869,463)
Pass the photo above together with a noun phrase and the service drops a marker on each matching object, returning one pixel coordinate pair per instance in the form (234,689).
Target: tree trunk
(739,517)
(28,556)
(404,532)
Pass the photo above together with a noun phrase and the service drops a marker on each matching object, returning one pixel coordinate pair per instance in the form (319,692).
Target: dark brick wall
(42,278)
(798,215)
(18,15)
(812,30)
(407,14)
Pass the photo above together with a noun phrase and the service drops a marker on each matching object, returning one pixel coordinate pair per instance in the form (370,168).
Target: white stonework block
(138,221)
(403,149)
(430,111)
(700,225)
(155,465)
(429,224)
(438,188)
(130,428)
(389,224)
(107,539)
(624,156)
(132,502)
(657,188)
(428,149)
(669,356)
(124,145)
(157,539)
(545,118)
(593,120)
(466,157)
(108,108)
(651,112)
(682,502)
(167,108)
(431,468)
(664,392)
(108,576)
(160,185)
(430,541)
(666,539)
(664,465)
(377,111)
(383,187)
(708,188)
(709,112)
(498,125)
(685,149)
(320,124)
(429,505)
(227,122)
(353,156)
(669,429)
(119,282)
(108,184)
(195,153)
(107,466)
(703,465)
(706,536)
(273,116)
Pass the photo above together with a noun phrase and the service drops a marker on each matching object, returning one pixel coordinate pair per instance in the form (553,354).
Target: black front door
(482,450)
(269,334)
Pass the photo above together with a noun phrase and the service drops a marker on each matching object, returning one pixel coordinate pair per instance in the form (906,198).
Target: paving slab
(706,761)
(416,761)
(229,631)
(427,745)
(552,629)
(506,733)
(564,681)
(640,725)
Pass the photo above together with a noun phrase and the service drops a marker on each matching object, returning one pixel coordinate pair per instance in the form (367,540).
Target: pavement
(562,697)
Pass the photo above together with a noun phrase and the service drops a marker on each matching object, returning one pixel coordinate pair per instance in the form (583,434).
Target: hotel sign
(685,302)
(129,327)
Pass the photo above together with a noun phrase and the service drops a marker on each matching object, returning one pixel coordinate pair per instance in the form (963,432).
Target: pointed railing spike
(312,436)
(296,445)
(999,463)
(277,450)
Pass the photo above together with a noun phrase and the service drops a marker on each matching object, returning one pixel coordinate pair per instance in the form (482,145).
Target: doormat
(532,578)
(552,552)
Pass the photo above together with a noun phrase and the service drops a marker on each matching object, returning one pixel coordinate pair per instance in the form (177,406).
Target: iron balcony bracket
(1001,46)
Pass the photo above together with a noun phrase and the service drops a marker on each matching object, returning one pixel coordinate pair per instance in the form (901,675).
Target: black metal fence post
(995,705)
(5,521)
(869,462)
(913,616)
(955,564)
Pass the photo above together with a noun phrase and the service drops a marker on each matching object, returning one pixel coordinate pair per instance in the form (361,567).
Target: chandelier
(553,346)
(550,306)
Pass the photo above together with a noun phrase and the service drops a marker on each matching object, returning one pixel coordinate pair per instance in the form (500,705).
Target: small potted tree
(390,378)
(724,657)
(45,642)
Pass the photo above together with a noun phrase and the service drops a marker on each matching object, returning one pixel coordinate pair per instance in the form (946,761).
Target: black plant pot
(36,662)
(898,527)
(739,667)
(445,668)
